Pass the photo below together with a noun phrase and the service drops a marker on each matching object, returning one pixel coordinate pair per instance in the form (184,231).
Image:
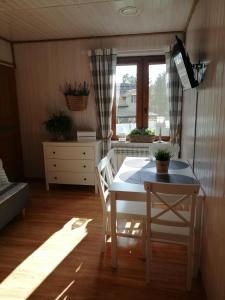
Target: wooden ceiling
(25,20)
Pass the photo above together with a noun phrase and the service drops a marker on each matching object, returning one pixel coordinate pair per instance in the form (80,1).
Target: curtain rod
(142,52)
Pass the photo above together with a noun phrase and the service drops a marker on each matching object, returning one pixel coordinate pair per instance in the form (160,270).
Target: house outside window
(141,99)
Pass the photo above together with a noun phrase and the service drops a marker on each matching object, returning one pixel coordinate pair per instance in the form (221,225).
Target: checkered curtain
(175,94)
(103,70)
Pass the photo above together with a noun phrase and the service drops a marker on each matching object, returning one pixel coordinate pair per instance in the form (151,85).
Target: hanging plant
(76,95)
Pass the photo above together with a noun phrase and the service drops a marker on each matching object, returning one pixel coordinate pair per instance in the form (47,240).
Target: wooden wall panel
(187,148)
(23,20)
(205,41)
(10,146)
(43,67)
(5,52)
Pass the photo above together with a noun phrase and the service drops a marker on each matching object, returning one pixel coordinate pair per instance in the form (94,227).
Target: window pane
(158,100)
(126,81)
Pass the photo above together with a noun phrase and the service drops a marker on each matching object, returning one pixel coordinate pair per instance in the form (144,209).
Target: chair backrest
(171,197)
(173,148)
(112,161)
(104,178)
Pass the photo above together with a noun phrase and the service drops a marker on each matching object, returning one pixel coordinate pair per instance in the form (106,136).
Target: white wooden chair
(112,161)
(173,148)
(169,224)
(131,215)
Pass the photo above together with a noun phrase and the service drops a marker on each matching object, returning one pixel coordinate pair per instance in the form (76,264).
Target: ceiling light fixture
(129,11)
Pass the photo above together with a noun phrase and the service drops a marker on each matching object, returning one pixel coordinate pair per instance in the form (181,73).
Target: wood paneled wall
(205,41)
(43,67)
(10,146)
(6,55)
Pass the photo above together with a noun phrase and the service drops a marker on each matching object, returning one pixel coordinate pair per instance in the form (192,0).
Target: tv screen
(184,66)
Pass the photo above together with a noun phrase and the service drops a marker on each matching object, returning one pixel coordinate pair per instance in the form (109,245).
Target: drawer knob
(55,177)
(84,153)
(85,179)
(54,165)
(53,152)
(84,166)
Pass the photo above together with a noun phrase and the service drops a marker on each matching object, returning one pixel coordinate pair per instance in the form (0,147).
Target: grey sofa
(13,198)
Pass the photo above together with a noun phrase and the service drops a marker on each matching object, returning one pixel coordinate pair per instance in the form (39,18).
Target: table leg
(113,229)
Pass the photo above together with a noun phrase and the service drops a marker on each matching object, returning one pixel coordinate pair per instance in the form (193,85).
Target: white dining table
(128,184)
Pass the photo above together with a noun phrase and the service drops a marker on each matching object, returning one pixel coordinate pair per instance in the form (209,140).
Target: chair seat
(129,214)
(134,208)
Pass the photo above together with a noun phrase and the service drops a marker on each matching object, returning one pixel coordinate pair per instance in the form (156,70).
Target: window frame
(142,96)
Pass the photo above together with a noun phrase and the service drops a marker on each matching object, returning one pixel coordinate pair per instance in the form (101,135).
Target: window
(140,98)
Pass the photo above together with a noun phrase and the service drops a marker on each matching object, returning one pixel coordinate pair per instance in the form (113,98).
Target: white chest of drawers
(71,162)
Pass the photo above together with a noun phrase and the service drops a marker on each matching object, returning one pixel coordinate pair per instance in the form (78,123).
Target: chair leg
(148,239)
(148,254)
(143,241)
(190,265)
(23,212)
(104,235)
(198,236)
(196,255)
(148,258)
(103,240)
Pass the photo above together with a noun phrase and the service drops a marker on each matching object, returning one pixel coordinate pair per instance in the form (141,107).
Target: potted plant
(76,95)
(59,125)
(162,157)
(144,135)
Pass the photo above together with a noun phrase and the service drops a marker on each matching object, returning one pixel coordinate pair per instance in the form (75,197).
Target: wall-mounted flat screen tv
(184,66)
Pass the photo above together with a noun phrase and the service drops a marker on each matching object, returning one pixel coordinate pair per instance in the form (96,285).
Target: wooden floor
(40,258)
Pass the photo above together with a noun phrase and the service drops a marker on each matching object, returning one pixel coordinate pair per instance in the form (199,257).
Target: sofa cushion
(6,187)
(3,178)
(12,189)
(13,199)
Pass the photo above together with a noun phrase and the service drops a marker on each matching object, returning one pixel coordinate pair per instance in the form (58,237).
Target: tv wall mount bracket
(199,70)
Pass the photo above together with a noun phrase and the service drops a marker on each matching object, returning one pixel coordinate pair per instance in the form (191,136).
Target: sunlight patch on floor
(22,282)
(62,294)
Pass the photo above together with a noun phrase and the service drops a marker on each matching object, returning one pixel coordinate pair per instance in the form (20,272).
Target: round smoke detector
(129,11)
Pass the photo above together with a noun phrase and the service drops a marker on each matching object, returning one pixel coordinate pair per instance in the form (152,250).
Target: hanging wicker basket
(76,103)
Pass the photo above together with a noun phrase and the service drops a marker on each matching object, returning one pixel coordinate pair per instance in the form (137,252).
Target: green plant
(81,89)
(59,124)
(149,131)
(135,131)
(163,155)
(143,131)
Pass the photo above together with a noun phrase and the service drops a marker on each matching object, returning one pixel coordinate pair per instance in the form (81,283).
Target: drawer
(68,165)
(71,178)
(69,152)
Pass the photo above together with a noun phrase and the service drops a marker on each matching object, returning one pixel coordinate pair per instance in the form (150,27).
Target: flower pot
(162,166)
(141,138)
(76,103)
